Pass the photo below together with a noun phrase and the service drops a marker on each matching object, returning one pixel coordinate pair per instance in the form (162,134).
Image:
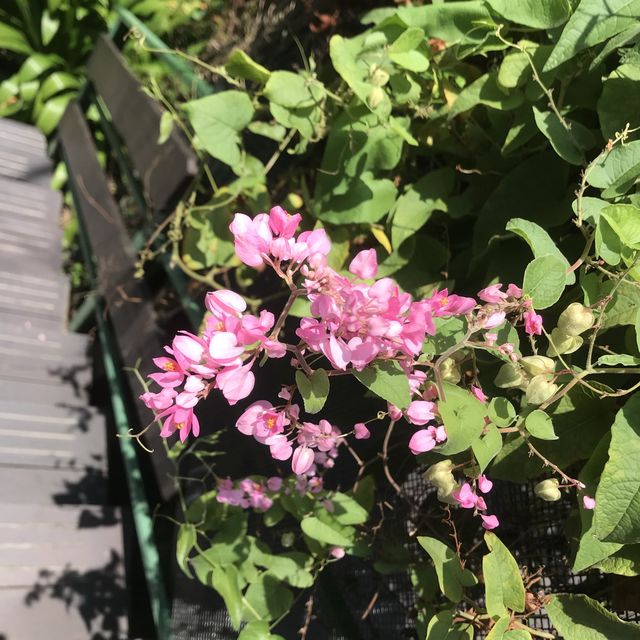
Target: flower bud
(379,77)
(563,343)
(548,490)
(575,319)
(288,539)
(294,202)
(540,390)
(510,376)
(538,365)
(438,472)
(446,491)
(449,371)
(376,96)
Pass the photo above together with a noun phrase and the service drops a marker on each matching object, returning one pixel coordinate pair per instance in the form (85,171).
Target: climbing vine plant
(444,211)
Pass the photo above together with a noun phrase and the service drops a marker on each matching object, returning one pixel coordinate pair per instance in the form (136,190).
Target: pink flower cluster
(467,498)
(280,429)
(220,358)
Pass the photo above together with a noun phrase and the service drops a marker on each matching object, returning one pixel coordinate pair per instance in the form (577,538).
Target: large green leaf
(218,120)
(486,448)
(544,280)
(388,380)
(267,598)
(408,50)
(258,630)
(617,170)
(463,417)
(452,577)
(227,583)
(52,111)
(624,220)
(570,144)
(617,513)
(539,240)
(503,584)
(622,87)
(293,90)
(539,14)
(314,389)
(577,617)
(14,40)
(186,540)
(593,22)
(485,90)
(322,532)
(240,65)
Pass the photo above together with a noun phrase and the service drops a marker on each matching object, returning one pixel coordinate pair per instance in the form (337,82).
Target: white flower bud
(562,343)
(510,376)
(540,390)
(548,490)
(449,371)
(575,319)
(538,365)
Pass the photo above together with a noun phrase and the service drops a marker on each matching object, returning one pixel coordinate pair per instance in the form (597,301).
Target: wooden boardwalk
(61,551)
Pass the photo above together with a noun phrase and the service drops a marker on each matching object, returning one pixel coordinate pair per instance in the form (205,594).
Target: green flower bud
(548,490)
(575,319)
(445,491)
(537,365)
(288,539)
(379,77)
(510,376)
(563,343)
(376,96)
(293,202)
(540,390)
(439,471)
(449,371)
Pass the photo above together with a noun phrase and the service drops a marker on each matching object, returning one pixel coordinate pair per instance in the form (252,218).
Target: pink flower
(252,238)
(532,323)
(180,419)
(489,522)
(420,412)
(224,349)
(588,502)
(224,302)
(394,412)
(422,441)
(484,484)
(274,483)
(443,304)
(302,460)
(337,552)
(491,338)
(478,393)
(236,383)
(365,264)
(228,495)
(159,401)
(466,497)
(279,447)
(283,224)
(361,432)
(492,293)
(493,320)
(514,291)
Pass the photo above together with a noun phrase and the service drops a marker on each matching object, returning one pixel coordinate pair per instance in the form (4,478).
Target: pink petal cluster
(467,498)
(249,493)
(588,502)
(221,357)
(532,323)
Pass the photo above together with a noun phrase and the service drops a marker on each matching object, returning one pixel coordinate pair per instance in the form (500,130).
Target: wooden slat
(18,162)
(128,300)
(14,133)
(164,170)
(33,204)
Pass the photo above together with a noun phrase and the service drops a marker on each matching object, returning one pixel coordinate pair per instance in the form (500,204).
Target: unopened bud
(548,490)
(540,390)
(446,491)
(379,77)
(575,319)
(436,472)
(376,96)
(449,371)
(287,539)
(294,202)
(537,365)
(562,343)
(510,376)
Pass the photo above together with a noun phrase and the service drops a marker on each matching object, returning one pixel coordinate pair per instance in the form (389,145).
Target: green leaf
(501,412)
(485,90)
(539,14)
(165,127)
(227,583)
(593,22)
(49,27)
(544,280)
(498,630)
(346,510)
(258,630)
(241,65)
(218,120)
(387,379)
(57,82)
(270,130)
(14,40)
(540,425)
(617,515)
(616,172)
(314,389)
(487,447)
(185,542)
(608,245)
(322,532)
(637,328)
(35,66)
(288,567)
(452,578)
(569,144)
(625,562)
(624,220)
(406,51)
(267,598)
(539,240)
(622,85)
(517,634)
(293,90)
(52,111)
(449,331)
(463,418)
(621,359)
(503,584)
(577,617)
